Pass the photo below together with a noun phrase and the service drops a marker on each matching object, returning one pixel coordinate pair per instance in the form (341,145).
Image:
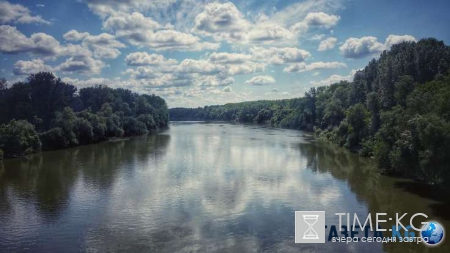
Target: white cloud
(361,47)
(261,80)
(103,45)
(295,11)
(222,21)
(16,13)
(106,8)
(141,31)
(124,23)
(13,41)
(317,37)
(315,20)
(227,89)
(334,79)
(132,27)
(74,35)
(396,39)
(229,58)
(302,67)
(30,67)
(276,55)
(268,33)
(143,73)
(81,64)
(199,66)
(45,44)
(245,68)
(173,40)
(145,59)
(321,19)
(215,81)
(327,44)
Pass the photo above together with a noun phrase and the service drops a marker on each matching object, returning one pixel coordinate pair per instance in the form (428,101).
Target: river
(198,187)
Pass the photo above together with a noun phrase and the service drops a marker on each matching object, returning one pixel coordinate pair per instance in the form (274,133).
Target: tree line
(396,110)
(44,113)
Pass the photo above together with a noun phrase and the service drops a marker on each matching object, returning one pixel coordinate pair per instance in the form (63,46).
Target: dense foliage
(46,113)
(397,109)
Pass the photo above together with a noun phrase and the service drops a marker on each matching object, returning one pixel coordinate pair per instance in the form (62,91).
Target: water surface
(197,187)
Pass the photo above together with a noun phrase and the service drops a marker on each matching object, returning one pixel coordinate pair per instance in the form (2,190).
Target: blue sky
(201,52)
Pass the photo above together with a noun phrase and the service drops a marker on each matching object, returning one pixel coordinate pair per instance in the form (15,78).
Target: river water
(199,187)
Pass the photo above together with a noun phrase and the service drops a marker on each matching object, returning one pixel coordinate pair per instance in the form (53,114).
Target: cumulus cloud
(361,47)
(13,41)
(261,80)
(125,24)
(140,31)
(327,44)
(229,58)
(396,39)
(104,45)
(334,79)
(222,21)
(315,20)
(321,19)
(227,89)
(174,40)
(268,33)
(145,59)
(16,13)
(245,68)
(106,8)
(30,67)
(74,35)
(215,81)
(302,67)
(276,55)
(132,27)
(199,66)
(81,64)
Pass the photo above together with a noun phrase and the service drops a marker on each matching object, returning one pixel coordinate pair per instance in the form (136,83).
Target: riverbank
(112,139)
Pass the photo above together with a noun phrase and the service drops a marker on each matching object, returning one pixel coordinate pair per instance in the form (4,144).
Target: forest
(396,110)
(44,113)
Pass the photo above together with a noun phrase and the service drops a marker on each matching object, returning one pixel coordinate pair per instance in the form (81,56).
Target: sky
(200,52)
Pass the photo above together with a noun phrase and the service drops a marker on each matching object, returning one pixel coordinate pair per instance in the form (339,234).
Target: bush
(149,122)
(99,128)
(83,131)
(1,154)
(19,136)
(53,139)
(131,126)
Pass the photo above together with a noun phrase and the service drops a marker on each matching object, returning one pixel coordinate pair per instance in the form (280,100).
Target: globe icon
(432,233)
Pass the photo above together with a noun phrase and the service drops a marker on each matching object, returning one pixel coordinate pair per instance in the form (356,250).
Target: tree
(18,137)
(357,117)
(49,94)
(131,126)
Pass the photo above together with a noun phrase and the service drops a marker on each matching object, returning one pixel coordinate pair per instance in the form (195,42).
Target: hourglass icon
(310,233)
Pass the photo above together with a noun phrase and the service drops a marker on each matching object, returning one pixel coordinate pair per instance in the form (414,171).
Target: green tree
(19,137)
